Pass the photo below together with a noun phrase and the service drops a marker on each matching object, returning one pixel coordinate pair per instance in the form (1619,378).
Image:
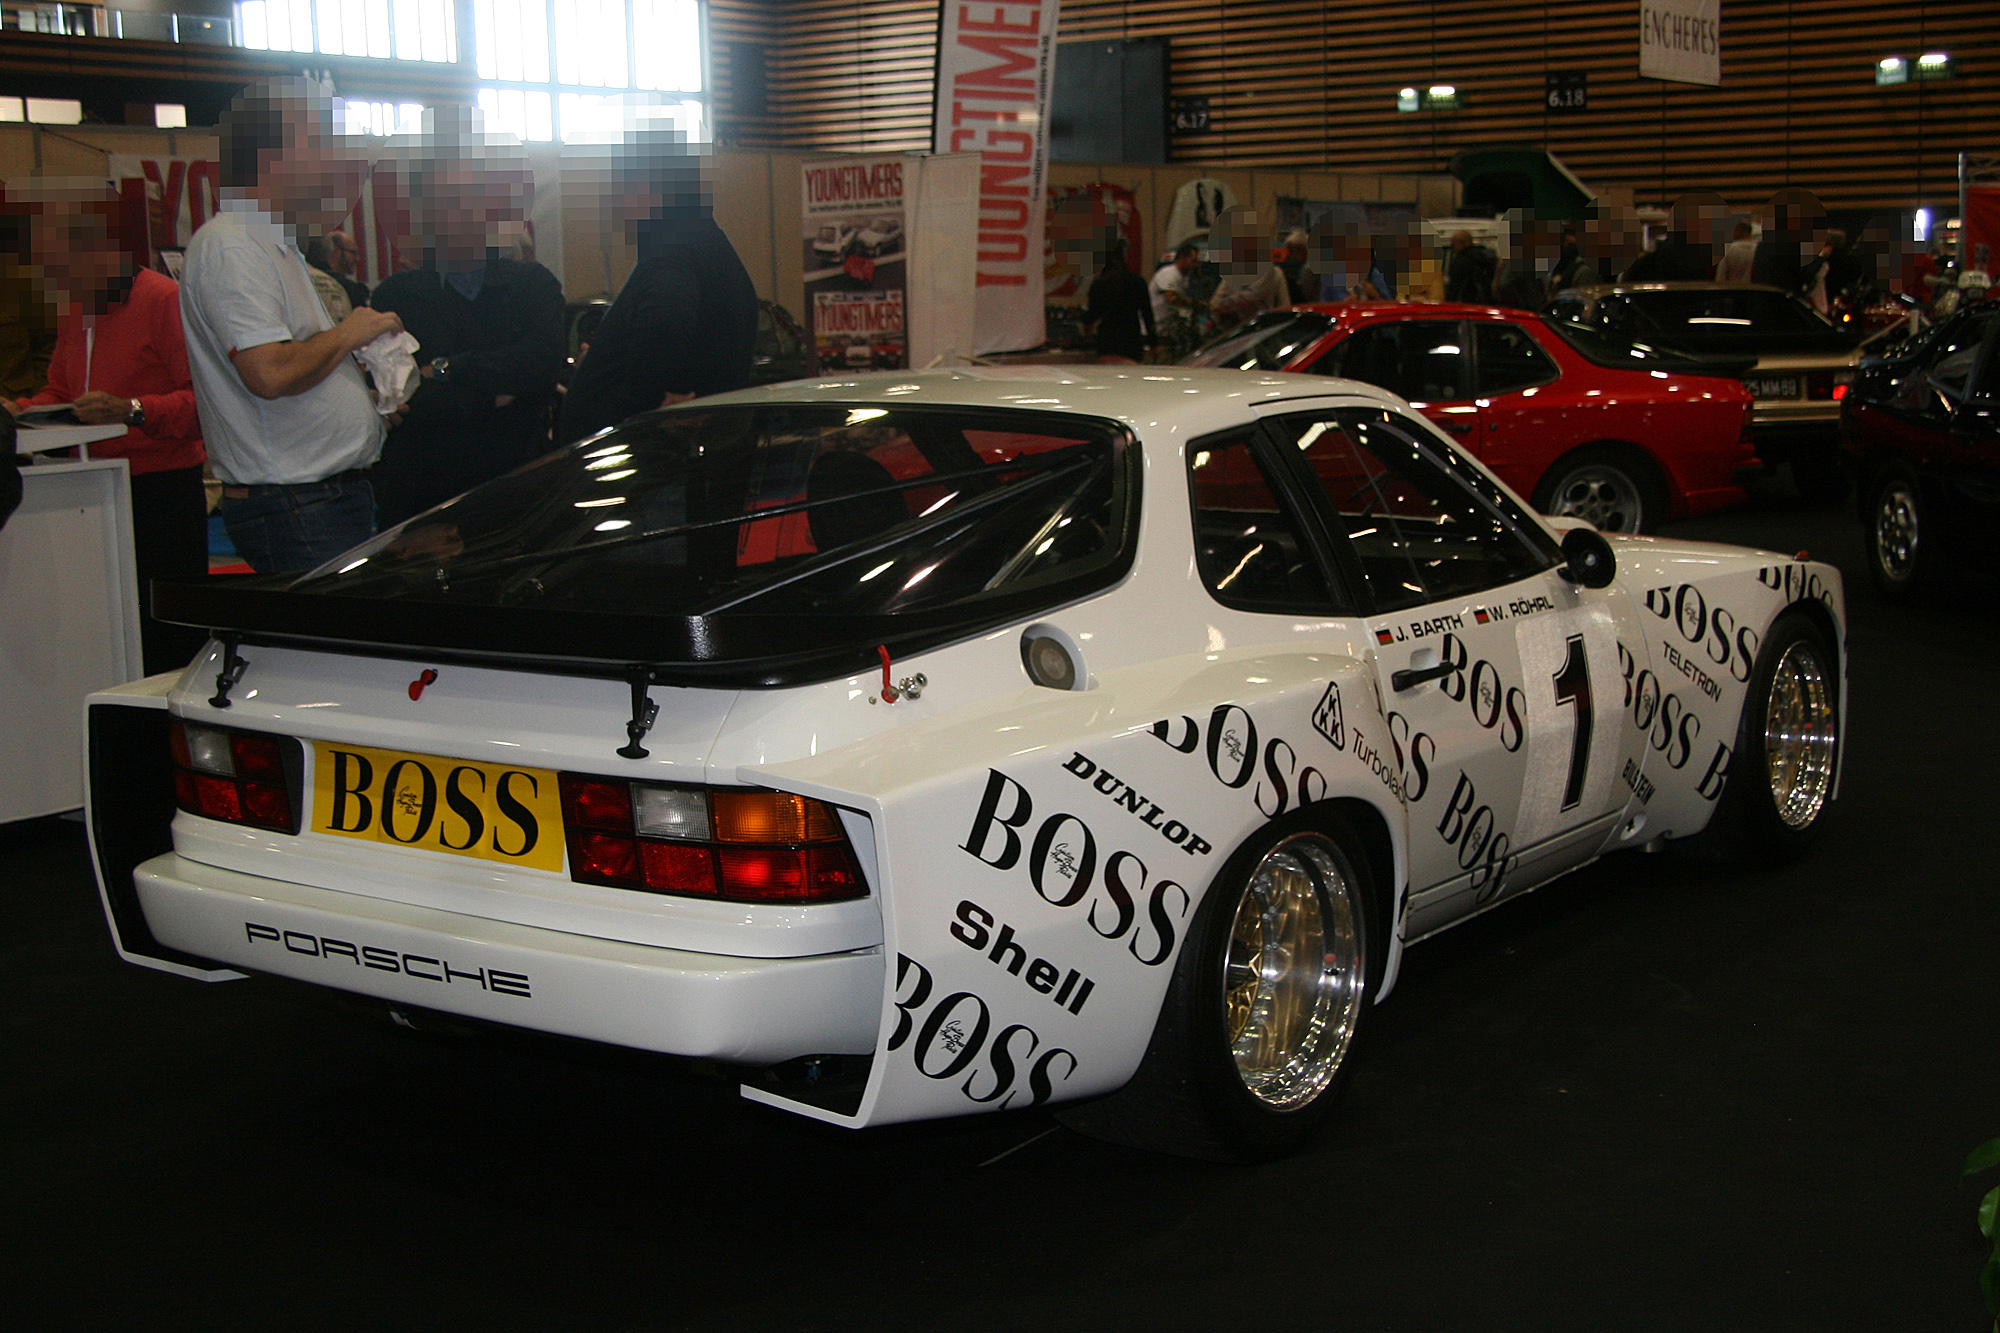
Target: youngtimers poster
(856,261)
(994,66)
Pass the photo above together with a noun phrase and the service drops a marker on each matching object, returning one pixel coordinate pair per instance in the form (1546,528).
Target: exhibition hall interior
(859,665)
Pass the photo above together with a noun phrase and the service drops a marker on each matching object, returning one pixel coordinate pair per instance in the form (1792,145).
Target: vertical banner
(181,194)
(856,261)
(1681,40)
(994,66)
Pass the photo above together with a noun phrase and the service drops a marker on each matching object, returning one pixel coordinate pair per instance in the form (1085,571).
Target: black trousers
(169,540)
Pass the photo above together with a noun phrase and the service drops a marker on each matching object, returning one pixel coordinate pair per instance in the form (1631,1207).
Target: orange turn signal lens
(771,817)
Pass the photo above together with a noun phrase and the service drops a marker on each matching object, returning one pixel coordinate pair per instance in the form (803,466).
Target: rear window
(1696,314)
(1616,353)
(1268,342)
(820,510)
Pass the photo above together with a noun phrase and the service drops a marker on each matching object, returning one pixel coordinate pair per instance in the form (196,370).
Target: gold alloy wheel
(1800,730)
(1295,974)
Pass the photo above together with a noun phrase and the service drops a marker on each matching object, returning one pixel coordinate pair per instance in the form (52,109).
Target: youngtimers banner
(994,66)
(856,261)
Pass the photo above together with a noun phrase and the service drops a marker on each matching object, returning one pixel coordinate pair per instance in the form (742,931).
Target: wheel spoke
(1293,978)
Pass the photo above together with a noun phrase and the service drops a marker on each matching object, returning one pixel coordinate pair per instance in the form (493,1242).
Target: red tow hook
(417,685)
(889,694)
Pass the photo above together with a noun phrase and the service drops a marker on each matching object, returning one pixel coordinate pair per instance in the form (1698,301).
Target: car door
(1424,361)
(1510,369)
(1500,676)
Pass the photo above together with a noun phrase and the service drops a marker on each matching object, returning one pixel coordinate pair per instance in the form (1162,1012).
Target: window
(1508,359)
(1422,360)
(384,29)
(1421,531)
(1267,342)
(552,68)
(783,511)
(1247,544)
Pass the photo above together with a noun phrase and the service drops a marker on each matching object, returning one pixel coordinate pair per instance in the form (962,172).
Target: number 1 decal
(1573,687)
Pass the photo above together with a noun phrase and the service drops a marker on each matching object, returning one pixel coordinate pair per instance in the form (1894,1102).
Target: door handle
(1455,426)
(1411,677)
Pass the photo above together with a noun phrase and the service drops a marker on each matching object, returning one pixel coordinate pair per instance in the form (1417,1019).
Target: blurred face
(346,255)
(80,261)
(318,179)
(470,201)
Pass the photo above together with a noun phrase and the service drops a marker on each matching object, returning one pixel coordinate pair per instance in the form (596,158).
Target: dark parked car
(1800,360)
(1922,434)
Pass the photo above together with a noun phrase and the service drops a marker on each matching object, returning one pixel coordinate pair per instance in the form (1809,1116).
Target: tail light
(238,777)
(1828,383)
(737,843)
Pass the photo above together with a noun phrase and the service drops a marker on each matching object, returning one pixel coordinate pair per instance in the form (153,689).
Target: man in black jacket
(489,330)
(685,323)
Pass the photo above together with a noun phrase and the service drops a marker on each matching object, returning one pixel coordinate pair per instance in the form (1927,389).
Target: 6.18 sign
(1567,92)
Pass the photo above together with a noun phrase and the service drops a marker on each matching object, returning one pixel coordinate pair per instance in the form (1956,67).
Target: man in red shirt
(120,357)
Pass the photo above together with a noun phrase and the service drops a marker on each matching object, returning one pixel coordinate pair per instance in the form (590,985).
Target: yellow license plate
(491,811)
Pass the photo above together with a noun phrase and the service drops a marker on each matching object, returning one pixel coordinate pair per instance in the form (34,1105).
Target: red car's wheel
(1614,490)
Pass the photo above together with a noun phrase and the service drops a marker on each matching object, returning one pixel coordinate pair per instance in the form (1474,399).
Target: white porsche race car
(926,744)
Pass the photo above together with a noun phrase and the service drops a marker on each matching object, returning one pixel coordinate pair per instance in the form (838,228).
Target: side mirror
(1588,558)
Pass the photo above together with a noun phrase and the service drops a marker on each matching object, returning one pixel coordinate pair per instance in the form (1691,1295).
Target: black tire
(1613,489)
(1781,776)
(1900,534)
(1208,1087)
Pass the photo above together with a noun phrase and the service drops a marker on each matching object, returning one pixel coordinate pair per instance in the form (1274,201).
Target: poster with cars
(855,252)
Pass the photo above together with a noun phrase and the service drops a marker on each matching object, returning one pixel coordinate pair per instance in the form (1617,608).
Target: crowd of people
(1245,267)
(326,410)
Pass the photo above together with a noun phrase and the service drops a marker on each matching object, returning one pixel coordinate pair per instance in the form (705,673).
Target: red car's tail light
(736,843)
(238,777)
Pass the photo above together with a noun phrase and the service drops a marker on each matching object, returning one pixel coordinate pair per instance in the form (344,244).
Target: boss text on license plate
(490,811)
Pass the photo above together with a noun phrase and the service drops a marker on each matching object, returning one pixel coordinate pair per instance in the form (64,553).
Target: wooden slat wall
(1310,84)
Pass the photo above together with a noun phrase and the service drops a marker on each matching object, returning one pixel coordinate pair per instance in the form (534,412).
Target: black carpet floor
(1655,1095)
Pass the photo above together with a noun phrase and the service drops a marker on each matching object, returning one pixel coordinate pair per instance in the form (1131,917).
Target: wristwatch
(441,366)
(137,416)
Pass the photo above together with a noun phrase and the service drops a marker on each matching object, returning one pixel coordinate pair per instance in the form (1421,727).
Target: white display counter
(69,624)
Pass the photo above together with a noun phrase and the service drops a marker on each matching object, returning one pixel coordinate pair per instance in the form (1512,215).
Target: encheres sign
(994,65)
(837,188)
(1681,40)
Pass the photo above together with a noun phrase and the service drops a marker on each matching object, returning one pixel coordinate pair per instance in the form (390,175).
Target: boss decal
(1796,581)
(974,927)
(1234,756)
(1327,719)
(1670,727)
(1494,703)
(1715,630)
(1470,828)
(1063,868)
(1414,752)
(1147,812)
(419,966)
(955,1036)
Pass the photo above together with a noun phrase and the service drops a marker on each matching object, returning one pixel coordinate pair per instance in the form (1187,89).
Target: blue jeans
(281,528)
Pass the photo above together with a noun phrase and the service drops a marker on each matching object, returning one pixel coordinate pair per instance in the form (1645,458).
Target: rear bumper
(747,1010)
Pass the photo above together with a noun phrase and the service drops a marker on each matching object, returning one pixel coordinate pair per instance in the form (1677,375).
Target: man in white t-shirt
(289,421)
(1171,277)
(1739,257)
